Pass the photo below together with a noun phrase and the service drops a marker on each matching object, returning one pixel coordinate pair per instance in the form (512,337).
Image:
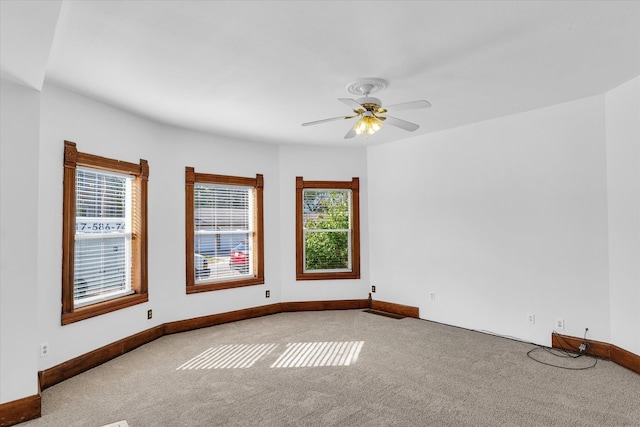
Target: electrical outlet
(373,288)
(44,349)
(267,294)
(531,318)
(559,323)
(432,296)
(149,314)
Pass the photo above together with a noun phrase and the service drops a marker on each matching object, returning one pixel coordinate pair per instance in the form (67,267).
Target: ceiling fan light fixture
(368,125)
(370,109)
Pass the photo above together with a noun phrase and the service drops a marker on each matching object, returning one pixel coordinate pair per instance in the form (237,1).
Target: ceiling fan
(370,109)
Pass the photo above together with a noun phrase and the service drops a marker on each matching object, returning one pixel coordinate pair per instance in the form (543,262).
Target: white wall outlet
(44,349)
(559,323)
(531,318)
(432,296)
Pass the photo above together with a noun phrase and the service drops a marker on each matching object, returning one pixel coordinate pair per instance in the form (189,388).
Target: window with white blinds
(224,231)
(104,234)
(224,225)
(102,252)
(327,230)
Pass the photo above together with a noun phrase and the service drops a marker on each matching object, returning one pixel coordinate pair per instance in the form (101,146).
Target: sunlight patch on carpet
(229,356)
(122,423)
(312,354)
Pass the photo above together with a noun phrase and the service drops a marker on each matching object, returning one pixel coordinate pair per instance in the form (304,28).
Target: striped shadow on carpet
(229,356)
(295,355)
(312,354)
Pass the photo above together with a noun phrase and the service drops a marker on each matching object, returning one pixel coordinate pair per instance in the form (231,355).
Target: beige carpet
(342,368)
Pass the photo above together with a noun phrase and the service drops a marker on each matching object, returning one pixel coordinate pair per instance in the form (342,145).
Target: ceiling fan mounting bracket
(365,87)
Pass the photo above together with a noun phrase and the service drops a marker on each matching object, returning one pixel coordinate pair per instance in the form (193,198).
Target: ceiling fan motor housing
(369,100)
(370,103)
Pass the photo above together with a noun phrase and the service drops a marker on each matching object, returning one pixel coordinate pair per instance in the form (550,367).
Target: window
(104,250)
(224,231)
(327,229)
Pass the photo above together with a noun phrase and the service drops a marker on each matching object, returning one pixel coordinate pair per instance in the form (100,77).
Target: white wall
(500,219)
(19,127)
(103,130)
(322,164)
(623,190)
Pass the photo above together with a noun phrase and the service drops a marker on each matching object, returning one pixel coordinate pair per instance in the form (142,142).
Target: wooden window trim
(354,186)
(139,278)
(191,177)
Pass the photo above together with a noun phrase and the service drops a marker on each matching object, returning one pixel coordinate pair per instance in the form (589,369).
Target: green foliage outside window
(327,210)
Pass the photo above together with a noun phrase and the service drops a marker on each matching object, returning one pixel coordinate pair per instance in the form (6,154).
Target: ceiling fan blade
(402,124)
(408,105)
(351,103)
(317,122)
(350,134)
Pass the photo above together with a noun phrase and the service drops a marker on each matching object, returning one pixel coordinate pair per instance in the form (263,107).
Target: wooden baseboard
(572,344)
(77,365)
(389,307)
(218,319)
(249,313)
(625,358)
(21,410)
(353,304)
(599,349)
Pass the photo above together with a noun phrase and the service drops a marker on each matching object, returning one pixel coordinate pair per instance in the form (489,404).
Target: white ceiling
(256,70)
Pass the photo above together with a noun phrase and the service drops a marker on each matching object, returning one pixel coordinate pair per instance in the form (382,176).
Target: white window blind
(326,220)
(224,225)
(102,255)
